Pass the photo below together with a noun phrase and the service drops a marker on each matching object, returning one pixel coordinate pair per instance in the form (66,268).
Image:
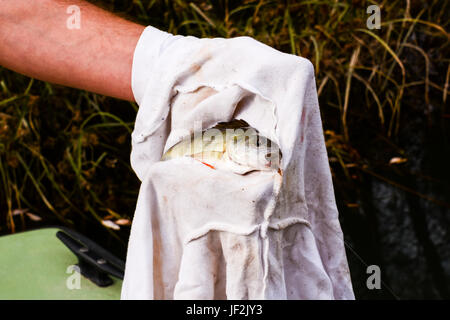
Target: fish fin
(206,164)
(233,124)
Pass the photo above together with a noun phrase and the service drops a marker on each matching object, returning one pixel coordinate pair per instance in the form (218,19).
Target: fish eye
(268,156)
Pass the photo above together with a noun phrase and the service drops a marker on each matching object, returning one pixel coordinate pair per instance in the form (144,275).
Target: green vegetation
(64,153)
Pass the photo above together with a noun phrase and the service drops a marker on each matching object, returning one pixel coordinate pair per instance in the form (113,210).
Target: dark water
(404,228)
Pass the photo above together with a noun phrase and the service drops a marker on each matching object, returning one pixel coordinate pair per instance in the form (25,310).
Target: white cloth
(200,233)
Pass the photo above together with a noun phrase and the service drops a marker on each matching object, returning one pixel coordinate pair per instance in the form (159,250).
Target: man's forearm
(35,40)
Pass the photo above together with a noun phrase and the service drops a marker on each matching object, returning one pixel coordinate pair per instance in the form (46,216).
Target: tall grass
(64,154)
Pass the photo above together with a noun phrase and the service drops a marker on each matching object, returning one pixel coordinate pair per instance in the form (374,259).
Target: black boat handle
(95,262)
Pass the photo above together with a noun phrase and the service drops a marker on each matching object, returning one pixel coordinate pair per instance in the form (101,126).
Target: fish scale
(233,146)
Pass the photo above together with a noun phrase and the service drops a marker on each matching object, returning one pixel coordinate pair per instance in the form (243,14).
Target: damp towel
(200,233)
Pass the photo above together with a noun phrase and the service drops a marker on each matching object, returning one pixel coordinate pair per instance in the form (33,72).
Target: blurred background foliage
(64,153)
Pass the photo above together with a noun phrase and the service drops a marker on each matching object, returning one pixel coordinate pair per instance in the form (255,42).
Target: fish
(233,146)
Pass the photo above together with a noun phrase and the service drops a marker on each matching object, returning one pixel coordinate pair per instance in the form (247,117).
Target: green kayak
(57,264)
